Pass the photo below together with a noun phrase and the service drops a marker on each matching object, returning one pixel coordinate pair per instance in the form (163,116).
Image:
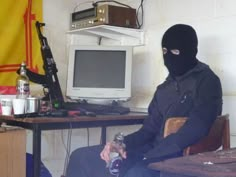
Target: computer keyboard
(97,109)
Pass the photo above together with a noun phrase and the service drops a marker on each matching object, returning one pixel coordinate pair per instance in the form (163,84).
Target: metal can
(32,105)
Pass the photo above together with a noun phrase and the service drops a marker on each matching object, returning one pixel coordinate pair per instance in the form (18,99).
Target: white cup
(6,104)
(19,106)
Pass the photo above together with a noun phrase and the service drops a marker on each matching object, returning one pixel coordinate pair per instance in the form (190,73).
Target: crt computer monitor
(99,73)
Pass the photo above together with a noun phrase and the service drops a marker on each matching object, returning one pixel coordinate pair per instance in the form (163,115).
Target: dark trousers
(86,162)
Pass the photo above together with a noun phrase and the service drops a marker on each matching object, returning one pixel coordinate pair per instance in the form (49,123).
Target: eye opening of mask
(164,50)
(173,51)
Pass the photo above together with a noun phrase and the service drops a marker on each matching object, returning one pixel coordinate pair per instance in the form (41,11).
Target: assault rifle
(50,80)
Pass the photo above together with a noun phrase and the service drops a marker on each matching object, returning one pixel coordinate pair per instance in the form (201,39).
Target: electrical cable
(101,137)
(99,40)
(67,147)
(68,150)
(142,12)
(88,137)
(64,145)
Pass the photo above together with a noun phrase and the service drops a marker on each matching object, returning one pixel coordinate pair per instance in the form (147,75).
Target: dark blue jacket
(197,95)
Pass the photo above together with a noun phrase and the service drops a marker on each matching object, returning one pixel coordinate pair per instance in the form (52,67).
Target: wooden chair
(218,136)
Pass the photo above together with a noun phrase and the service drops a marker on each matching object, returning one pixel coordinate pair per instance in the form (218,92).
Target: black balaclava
(183,38)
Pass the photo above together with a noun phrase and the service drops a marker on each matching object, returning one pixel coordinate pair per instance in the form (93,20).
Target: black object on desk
(55,113)
(97,109)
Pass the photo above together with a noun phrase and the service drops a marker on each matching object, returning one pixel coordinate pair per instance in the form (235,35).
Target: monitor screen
(99,72)
(91,69)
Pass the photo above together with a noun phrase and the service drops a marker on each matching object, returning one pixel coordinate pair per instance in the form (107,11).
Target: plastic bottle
(115,158)
(22,83)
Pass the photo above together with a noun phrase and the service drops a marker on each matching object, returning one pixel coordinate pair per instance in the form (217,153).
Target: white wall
(215,23)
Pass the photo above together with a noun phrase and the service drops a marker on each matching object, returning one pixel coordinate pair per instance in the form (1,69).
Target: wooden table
(209,164)
(37,125)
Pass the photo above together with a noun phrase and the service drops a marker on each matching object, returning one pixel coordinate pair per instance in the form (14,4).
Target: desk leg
(36,150)
(104,135)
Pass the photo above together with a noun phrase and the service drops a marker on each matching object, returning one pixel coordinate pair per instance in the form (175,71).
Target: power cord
(101,137)
(88,137)
(99,40)
(140,24)
(67,147)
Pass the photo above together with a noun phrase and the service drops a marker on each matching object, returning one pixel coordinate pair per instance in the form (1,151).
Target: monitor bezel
(113,94)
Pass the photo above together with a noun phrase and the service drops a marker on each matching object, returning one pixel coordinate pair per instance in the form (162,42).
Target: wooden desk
(48,123)
(210,164)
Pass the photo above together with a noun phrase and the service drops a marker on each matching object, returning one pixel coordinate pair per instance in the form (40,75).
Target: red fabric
(7,90)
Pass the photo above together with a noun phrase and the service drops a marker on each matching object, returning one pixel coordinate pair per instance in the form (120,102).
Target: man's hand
(105,154)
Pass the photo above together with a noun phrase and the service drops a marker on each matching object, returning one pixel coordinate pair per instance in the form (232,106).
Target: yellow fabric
(19,40)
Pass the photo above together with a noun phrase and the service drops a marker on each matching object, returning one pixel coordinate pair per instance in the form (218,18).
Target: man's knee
(77,155)
(82,161)
(85,153)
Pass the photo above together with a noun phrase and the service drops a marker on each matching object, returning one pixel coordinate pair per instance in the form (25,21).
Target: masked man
(191,90)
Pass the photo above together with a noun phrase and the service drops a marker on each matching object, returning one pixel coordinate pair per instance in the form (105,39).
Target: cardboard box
(13,153)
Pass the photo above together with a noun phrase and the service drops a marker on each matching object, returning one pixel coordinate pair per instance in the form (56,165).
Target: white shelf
(126,36)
